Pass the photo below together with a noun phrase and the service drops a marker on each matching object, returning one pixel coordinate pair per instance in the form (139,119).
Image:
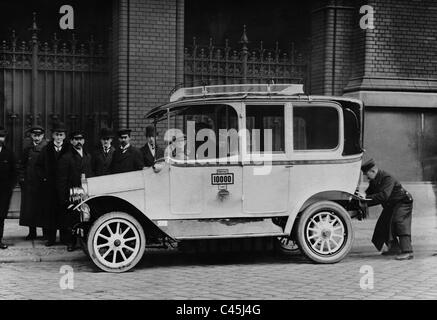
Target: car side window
(214,128)
(315,128)
(265,125)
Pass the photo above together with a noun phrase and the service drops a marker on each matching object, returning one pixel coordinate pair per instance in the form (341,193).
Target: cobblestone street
(265,276)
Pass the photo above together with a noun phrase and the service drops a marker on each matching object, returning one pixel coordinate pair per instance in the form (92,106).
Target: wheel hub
(326,234)
(117,243)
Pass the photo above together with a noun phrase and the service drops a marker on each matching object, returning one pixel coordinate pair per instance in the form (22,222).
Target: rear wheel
(116,242)
(324,232)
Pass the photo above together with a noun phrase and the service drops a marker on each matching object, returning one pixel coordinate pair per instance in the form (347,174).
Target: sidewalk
(424,235)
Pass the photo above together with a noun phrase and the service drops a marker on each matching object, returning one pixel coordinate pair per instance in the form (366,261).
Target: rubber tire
(340,212)
(104,218)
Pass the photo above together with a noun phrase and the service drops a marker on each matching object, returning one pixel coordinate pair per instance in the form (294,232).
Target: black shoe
(49,243)
(3,245)
(405,256)
(391,252)
(71,248)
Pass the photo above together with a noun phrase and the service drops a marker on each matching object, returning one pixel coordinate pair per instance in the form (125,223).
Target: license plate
(222,178)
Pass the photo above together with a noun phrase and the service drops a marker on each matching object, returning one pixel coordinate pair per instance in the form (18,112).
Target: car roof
(279,93)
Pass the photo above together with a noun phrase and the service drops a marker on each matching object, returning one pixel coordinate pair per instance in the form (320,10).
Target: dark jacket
(129,160)
(148,157)
(70,169)
(101,161)
(8,170)
(386,190)
(8,179)
(47,171)
(30,184)
(397,203)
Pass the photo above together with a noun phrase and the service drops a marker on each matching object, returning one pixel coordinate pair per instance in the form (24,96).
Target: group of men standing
(48,169)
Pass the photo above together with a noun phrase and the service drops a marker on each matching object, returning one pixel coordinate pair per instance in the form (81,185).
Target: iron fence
(213,64)
(43,82)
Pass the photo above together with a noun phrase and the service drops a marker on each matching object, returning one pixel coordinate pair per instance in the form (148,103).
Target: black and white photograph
(227,152)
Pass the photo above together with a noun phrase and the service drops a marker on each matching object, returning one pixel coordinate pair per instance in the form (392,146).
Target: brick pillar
(332,25)
(148,37)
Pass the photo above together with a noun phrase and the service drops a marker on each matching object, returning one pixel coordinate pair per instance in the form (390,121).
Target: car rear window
(315,128)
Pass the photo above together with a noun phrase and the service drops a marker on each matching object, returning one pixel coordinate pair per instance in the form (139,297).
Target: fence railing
(213,64)
(43,82)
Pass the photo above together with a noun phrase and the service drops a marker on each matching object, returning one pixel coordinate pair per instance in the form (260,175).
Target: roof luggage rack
(237,89)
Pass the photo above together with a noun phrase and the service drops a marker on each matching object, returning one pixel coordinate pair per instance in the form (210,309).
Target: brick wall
(400,53)
(148,66)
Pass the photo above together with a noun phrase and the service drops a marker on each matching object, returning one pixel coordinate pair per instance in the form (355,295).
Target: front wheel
(116,242)
(324,232)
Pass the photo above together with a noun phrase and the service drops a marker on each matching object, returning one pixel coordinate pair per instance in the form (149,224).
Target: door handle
(289,166)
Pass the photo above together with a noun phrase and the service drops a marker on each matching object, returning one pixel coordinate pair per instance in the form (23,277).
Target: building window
(265,125)
(315,128)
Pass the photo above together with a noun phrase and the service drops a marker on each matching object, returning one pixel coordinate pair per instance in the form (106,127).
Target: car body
(241,161)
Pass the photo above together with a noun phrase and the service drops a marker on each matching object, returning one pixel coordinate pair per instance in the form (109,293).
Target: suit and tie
(150,153)
(102,159)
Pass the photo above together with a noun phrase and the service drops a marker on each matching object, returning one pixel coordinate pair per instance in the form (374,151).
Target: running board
(220,228)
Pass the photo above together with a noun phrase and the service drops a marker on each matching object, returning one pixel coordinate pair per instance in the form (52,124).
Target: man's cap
(59,127)
(3,132)
(124,131)
(150,131)
(37,130)
(78,134)
(368,165)
(106,133)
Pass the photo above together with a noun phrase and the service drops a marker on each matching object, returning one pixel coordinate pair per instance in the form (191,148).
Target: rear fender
(349,201)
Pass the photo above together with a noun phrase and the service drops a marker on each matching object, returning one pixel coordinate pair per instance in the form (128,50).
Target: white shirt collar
(125,147)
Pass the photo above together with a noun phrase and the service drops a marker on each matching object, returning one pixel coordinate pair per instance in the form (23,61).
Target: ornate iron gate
(224,65)
(41,83)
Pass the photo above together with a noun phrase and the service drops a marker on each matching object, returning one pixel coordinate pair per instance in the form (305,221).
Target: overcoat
(128,160)
(395,219)
(30,184)
(47,171)
(101,161)
(70,169)
(8,179)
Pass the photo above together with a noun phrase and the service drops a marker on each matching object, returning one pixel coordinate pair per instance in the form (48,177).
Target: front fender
(100,205)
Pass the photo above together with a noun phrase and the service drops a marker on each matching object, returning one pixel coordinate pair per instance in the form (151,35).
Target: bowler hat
(78,134)
(37,130)
(150,131)
(59,127)
(124,131)
(106,133)
(368,165)
(3,132)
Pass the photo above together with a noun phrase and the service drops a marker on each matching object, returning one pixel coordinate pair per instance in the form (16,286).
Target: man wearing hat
(103,154)
(126,157)
(71,167)
(394,224)
(8,179)
(150,150)
(29,181)
(50,217)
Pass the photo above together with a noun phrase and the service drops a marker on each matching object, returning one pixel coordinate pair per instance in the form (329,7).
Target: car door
(266,171)
(206,181)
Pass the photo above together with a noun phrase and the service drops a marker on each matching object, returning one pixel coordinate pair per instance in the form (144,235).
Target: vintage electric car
(241,161)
